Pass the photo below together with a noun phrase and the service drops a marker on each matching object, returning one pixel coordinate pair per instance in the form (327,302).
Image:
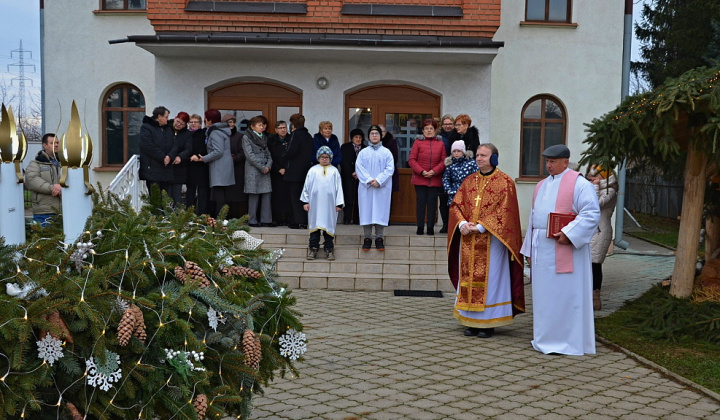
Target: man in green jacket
(42,178)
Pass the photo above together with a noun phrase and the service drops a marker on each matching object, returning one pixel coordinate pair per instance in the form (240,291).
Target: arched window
(543,125)
(122,115)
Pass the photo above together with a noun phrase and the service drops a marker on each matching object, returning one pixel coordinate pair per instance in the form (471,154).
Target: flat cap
(559,151)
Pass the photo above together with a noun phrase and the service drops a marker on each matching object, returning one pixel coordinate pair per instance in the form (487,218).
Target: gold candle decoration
(12,147)
(75,150)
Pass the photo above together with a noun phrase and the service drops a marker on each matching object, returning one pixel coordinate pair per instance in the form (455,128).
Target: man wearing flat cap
(560,264)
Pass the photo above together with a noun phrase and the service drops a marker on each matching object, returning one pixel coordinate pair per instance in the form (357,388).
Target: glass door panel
(405,127)
(242,117)
(283,113)
(361,118)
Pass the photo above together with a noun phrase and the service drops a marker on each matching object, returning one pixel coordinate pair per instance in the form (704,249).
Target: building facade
(528,72)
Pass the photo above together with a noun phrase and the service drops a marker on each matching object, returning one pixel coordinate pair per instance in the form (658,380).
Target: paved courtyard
(375,356)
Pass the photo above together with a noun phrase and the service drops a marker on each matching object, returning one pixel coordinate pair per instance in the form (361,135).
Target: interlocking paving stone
(375,356)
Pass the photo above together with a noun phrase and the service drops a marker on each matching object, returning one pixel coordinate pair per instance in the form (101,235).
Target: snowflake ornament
(104,375)
(293,344)
(50,349)
(212,318)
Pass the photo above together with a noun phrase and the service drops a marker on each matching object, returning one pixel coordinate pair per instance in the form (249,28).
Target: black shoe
(470,331)
(303,226)
(347,222)
(367,244)
(268,225)
(443,229)
(294,226)
(430,230)
(254,224)
(420,231)
(486,332)
(379,244)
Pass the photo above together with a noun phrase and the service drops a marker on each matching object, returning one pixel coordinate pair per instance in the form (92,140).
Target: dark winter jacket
(155,143)
(40,177)
(333,143)
(299,155)
(391,144)
(182,146)
(236,192)
(471,139)
(198,172)
(456,170)
(427,154)
(278,150)
(446,136)
(347,165)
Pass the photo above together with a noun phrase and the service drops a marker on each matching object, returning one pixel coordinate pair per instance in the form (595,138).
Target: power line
(20,64)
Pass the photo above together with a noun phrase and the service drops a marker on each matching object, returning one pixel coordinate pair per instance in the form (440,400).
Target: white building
(503,63)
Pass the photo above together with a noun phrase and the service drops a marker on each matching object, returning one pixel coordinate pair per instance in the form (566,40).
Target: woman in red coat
(427,160)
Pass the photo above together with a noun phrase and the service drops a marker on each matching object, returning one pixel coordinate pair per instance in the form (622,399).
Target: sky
(21,21)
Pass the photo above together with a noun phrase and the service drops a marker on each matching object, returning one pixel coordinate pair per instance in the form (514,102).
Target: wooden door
(248,99)
(401,109)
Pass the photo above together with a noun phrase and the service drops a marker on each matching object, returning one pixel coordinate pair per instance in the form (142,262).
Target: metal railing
(127,183)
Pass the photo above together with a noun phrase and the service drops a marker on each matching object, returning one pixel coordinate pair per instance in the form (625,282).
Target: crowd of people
(303,181)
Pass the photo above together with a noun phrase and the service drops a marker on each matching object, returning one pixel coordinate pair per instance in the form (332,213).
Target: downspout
(42,65)
(624,92)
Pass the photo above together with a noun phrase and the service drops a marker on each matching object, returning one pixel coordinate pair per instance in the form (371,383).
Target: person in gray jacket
(218,158)
(42,178)
(258,161)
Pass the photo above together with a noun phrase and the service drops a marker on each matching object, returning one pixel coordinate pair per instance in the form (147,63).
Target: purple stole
(563,204)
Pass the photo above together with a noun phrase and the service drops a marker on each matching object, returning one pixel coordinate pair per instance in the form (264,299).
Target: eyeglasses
(448,124)
(324,157)
(459,124)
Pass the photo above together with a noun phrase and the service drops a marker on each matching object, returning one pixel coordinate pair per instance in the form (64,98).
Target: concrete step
(409,262)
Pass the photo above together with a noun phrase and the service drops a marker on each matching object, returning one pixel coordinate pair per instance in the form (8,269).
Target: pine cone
(73,411)
(200,402)
(251,347)
(139,326)
(180,274)
(126,326)
(240,271)
(211,222)
(55,319)
(195,272)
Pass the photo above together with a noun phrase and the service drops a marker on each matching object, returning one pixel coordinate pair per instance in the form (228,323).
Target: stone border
(660,369)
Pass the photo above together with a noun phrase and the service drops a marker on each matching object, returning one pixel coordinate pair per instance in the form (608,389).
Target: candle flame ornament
(12,147)
(76,150)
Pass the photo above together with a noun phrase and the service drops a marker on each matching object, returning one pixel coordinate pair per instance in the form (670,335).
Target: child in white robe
(322,198)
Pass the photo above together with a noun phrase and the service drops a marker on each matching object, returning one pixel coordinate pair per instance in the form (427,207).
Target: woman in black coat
(350,150)
(465,132)
(198,174)
(278,144)
(299,160)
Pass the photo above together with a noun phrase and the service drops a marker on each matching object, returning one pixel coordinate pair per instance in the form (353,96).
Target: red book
(557,221)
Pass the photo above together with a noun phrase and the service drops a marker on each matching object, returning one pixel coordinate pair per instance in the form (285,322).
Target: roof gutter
(312,39)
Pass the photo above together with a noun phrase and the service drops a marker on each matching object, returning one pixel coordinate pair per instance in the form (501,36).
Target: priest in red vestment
(484,241)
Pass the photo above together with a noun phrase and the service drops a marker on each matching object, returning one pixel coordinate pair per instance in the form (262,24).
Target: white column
(77,206)
(12,206)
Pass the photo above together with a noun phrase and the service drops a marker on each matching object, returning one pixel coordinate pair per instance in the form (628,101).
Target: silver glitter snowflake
(104,375)
(292,344)
(50,349)
(212,318)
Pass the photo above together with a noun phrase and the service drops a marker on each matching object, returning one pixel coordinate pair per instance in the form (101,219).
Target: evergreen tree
(675,36)
(156,314)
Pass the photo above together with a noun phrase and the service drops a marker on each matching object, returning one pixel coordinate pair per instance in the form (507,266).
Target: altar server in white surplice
(560,266)
(322,198)
(374,168)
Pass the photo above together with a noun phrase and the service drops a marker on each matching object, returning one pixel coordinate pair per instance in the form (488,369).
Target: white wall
(580,65)
(462,88)
(80,65)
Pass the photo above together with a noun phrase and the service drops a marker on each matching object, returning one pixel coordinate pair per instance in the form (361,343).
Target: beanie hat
(458,145)
(356,132)
(374,127)
(183,116)
(228,117)
(323,150)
